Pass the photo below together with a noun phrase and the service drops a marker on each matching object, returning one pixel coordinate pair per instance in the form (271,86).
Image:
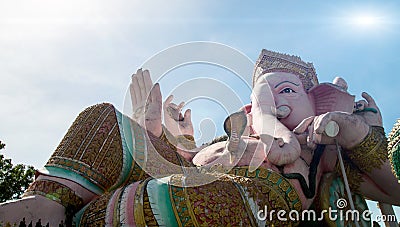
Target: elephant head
(285,92)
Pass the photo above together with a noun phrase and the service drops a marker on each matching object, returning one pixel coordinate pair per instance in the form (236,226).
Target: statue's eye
(287,90)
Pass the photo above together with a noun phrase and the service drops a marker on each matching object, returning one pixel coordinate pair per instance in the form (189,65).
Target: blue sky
(58,57)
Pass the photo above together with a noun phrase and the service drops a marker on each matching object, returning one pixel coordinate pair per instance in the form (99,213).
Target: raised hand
(175,122)
(146,102)
(369,110)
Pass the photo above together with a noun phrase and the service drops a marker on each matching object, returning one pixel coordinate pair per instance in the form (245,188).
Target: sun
(366,20)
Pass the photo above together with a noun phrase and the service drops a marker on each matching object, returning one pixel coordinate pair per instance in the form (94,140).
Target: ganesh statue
(300,145)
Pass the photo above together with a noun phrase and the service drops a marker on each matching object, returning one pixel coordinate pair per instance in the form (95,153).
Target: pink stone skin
(38,206)
(33,208)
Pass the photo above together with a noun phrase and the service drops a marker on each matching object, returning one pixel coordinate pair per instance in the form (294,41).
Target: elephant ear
(330,97)
(236,121)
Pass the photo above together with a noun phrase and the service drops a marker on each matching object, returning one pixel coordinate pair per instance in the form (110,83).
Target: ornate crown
(270,61)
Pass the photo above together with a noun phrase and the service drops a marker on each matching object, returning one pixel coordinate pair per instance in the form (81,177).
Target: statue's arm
(363,140)
(370,155)
(371,158)
(381,185)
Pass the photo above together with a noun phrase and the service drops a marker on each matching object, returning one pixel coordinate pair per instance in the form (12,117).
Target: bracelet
(372,151)
(394,149)
(168,138)
(187,141)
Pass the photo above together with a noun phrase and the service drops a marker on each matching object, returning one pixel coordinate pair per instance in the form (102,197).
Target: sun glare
(366,20)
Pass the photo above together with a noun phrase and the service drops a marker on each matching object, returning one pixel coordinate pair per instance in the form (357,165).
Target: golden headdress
(270,61)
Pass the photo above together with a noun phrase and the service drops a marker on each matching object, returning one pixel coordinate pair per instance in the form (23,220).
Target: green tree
(14,179)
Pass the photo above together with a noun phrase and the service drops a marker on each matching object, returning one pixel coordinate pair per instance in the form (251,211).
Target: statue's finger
(310,130)
(310,137)
(148,83)
(133,76)
(136,75)
(155,94)
(310,143)
(187,118)
(136,92)
(303,126)
(321,122)
(302,138)
(168,101)
(142,87)
(133,95)
(370,100)
(180,106)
